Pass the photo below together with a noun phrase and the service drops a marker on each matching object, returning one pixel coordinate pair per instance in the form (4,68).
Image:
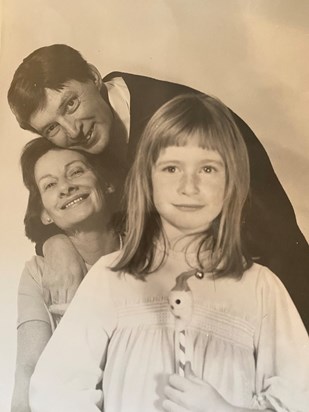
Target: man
(57,94)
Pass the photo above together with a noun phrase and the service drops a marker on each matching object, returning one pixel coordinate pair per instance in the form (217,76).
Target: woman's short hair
(35,230)
(207,122)
(47,67)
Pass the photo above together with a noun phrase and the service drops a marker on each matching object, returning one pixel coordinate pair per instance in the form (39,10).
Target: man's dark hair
(48,67)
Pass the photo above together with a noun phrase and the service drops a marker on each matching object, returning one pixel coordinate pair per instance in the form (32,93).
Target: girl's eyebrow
(200,162)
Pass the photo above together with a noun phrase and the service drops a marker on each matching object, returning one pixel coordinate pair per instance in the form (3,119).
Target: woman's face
(69,189)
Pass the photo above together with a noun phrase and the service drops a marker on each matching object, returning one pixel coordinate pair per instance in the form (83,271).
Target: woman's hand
(192,394)
(64,269)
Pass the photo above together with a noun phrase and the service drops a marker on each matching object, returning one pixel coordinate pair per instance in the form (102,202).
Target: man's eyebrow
(66,96)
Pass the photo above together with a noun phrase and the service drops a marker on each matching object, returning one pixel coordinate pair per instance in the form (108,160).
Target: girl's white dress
(245,338)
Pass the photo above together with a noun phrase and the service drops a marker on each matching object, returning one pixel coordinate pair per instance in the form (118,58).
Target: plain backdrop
(252,54)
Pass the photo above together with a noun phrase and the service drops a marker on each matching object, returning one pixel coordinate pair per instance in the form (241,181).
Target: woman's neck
(94,243)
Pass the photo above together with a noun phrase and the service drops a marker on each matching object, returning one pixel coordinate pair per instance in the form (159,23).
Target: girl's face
(188,188)
(69,189)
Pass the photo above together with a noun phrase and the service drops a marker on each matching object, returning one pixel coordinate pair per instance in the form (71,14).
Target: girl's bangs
(208,140)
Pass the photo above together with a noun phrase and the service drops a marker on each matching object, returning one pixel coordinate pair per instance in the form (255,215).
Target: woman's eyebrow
(67,166)
(48,175)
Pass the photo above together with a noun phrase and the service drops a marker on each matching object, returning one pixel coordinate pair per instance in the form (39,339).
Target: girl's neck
(187,243)
(95,242)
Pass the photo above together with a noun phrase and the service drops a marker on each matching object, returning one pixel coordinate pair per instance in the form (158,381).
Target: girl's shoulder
(262,278)
(102,270)
(108,261)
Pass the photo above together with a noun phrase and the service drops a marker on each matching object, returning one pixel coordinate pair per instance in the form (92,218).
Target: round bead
(199,274)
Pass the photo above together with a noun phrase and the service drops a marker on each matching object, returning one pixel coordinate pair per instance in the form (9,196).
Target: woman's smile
(75,201)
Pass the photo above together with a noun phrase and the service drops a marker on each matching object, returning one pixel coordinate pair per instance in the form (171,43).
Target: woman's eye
(72,105)
(76,172)
(49,185)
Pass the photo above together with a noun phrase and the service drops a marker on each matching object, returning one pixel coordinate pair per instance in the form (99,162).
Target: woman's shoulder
(33,269)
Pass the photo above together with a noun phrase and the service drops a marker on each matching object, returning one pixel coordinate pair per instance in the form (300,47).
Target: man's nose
(189,184)
(73,129)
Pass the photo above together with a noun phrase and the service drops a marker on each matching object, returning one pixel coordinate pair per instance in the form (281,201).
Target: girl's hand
(193,394)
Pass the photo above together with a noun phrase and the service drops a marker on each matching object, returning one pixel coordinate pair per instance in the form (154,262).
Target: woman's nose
(189,184)
(66,187)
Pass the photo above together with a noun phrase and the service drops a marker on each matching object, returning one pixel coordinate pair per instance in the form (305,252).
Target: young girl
(245,345)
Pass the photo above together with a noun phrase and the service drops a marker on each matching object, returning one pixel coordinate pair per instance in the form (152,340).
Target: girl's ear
(96,76)
(45,218)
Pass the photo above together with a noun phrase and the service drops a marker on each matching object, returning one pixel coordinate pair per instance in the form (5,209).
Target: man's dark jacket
(271,232)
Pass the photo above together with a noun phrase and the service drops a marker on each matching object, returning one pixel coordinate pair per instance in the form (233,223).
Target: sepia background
(252,54)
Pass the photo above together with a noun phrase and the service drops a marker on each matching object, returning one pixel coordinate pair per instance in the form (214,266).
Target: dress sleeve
(70,368)
(282,351)
(30,301)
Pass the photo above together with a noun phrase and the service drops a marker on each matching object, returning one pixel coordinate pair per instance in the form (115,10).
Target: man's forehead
(51,106)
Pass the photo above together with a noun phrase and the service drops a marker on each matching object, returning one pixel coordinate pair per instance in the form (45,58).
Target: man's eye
(72,105)
(52,130)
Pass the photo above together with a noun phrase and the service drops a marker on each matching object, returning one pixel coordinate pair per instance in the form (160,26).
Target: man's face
(75,117)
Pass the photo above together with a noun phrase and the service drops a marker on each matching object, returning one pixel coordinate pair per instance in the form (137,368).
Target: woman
(66,189)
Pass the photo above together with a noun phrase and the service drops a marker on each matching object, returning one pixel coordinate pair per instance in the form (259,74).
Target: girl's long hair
(208,123)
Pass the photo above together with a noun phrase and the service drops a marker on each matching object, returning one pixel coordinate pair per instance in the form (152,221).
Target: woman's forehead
(57,159)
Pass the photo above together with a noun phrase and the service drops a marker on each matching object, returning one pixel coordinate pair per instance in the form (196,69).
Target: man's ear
(45,218)
(96,76)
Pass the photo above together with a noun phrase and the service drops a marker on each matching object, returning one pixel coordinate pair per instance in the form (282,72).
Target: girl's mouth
(187,208)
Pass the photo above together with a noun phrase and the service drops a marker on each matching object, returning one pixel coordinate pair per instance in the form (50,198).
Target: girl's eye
(208,169)
(170,169)
(72,105)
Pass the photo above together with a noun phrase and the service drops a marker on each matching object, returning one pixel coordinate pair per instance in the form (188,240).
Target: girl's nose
(189,184)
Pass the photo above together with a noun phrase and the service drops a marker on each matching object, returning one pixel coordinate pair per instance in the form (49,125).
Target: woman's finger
(46,296)
(58,309)
(62,296)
